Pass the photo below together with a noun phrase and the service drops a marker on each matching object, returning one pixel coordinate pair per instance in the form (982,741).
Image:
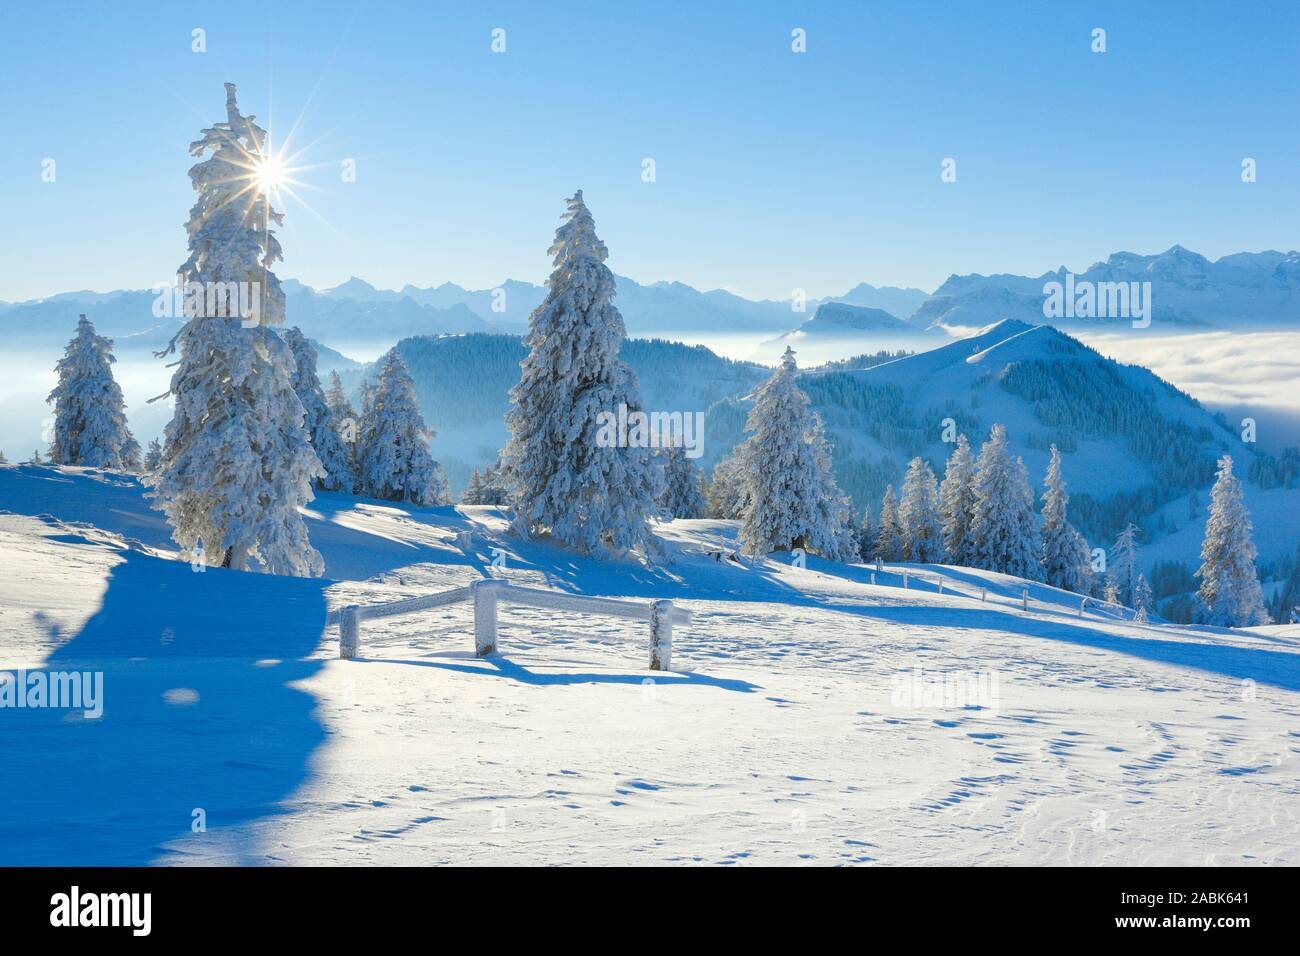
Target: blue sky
(775,170)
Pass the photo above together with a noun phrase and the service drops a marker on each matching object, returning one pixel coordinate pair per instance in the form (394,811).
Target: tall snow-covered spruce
(785,464)
(1124,564)
(89,413)
(889,533)
(726,492)
(393,456)
(866,536)
(683,494)
(1002,524)
(153,455)
(1066,559)
(320,422)
(957,502)
(1229,594)
(565,481)
(918,515)
(237,463)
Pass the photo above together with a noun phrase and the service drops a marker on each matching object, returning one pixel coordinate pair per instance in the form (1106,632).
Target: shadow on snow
(198,714)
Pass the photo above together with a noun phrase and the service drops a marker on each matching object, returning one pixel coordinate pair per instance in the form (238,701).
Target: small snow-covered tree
(866,536)
(726,492)
(322,428)
(496,485)
(392,447)
(1066,559)
(957,502)
(36,457)
(237,464)
(1124,563)
(793,501)
(153,457)
(1141,598)
(683,494)
(337,398)
(1229,594)
(586,492)
(3,459)
(918,515)
(486,487)
(889,534)
(1110,591)
(1002,523)
(89,413)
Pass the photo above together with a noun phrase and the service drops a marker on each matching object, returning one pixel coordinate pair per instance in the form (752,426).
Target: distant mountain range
(356,314)
(1256,291)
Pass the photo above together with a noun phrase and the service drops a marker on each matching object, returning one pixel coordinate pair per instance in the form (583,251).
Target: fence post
(484,593)
(349,632)
(984,594)
(904,580)
(661,635)
(1082,604)
(1024,597)
(940,580)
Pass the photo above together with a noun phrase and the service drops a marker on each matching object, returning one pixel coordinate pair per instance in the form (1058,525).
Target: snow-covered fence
(489,592)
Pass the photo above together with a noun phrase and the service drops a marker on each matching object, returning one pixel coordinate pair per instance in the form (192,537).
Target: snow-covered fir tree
(866,536)
(486,487)
(585,492)
(1002,521)
(726,491)
(1110,591)
(89,413)
(1141,598)
(1229,594)
(337,398)
(237,464)
(153,456)
(393,456)
(889,532)
(918,515)
(36,457)
(957,502)
(3,459)
(1066,559)
(683,494)
(1124,563)
(319,421)
(785,463)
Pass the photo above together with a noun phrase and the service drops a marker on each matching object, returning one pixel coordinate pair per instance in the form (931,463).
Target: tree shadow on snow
(199,720)
(494,665)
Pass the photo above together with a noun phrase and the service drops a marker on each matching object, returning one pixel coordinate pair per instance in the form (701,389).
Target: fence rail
(487,594)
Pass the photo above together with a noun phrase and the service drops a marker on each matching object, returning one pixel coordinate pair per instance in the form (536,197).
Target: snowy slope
(787,733)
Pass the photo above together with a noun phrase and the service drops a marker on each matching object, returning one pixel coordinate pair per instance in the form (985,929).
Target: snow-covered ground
(790,731)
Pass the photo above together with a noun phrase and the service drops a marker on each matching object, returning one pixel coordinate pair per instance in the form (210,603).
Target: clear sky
(774,170)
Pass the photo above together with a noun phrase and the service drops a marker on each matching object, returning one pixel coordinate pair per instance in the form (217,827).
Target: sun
(270,174)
